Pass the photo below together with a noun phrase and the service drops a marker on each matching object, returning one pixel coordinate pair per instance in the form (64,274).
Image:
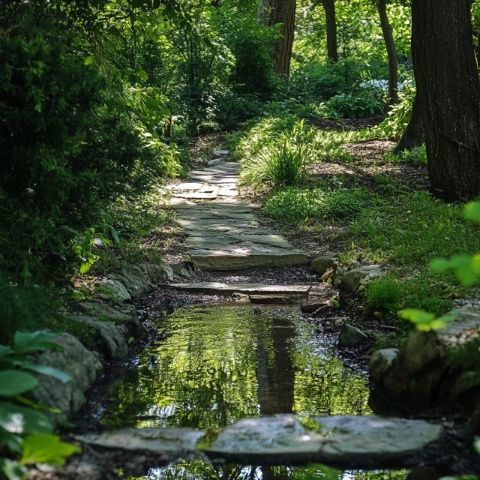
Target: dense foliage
(100,101)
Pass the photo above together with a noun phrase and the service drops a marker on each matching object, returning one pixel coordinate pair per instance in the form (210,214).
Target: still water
(215,365)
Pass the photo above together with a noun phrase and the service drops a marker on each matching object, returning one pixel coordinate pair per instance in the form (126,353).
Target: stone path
(224,234)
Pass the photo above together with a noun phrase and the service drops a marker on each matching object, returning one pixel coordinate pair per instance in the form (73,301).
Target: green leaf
(89,60)
(142,74)
(476,444)
(31,342)
(416,316)
(10,441)
(11,469)
(45,448)
(49,371)
(16,382)
(440,265)
(23,420)
(472,211)
(426,321)
(5,351)
(115,235)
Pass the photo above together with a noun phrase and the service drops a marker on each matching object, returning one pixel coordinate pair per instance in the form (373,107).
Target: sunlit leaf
(426,321)
(45,448)
(89,60)
(472,211)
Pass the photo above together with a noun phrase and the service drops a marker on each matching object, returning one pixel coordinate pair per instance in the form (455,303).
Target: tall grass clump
(281,160)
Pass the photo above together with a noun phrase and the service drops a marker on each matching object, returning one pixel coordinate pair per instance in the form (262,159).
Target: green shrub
(297,205)
(70,144)
(23,307)
(232,108)
(364,103)
(398,116)
(415,156)
(26,432)
(322,81)
(384,295)
(282,160)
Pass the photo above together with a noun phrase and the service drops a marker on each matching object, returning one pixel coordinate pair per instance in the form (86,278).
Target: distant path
(224,234)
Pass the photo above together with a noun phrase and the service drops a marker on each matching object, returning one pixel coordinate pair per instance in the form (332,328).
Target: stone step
(223,234)
(246,258)
(218,288)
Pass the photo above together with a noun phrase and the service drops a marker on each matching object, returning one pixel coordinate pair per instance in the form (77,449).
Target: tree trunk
(283,12)
(413,135)
(331,21)
(449,86)
(391,52)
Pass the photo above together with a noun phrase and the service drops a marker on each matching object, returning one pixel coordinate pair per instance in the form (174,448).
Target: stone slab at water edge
(344,441)
(223,233)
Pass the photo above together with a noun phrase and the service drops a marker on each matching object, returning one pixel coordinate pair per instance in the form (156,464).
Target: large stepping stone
(246,288)
(350,442)
(243,258)
(177,441)
(347,442)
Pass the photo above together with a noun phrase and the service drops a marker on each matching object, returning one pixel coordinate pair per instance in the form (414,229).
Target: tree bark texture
(283,12)
(391,52)
(449,86)
(413,135)
(331,23)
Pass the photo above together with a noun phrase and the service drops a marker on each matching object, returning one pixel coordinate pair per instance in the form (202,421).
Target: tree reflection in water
(218,364)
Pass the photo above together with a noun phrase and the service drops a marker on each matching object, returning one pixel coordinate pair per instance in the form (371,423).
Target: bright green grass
(391,226)
(296,205)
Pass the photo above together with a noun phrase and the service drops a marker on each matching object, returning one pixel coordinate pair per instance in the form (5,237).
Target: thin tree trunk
(283,12)
(391,52)
(449,86)
(413,135)
(331,22)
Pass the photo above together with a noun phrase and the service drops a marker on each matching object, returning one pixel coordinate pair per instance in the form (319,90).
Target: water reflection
(219,364)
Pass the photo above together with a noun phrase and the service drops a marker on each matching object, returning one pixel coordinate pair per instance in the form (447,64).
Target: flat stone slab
(368,441)
(347,442)
(245,258)
(247,288)
(269,439)
(153,440)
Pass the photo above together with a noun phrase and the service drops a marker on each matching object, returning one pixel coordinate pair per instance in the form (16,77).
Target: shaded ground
(369,162)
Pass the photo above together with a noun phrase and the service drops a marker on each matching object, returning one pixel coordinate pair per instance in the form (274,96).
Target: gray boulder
(324,263)
(74,359)
(423,373)
(158,273)
(119,314)
(355,280)
(111,339)
(351,337)
(381,361)
(113,290)
(135,280)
